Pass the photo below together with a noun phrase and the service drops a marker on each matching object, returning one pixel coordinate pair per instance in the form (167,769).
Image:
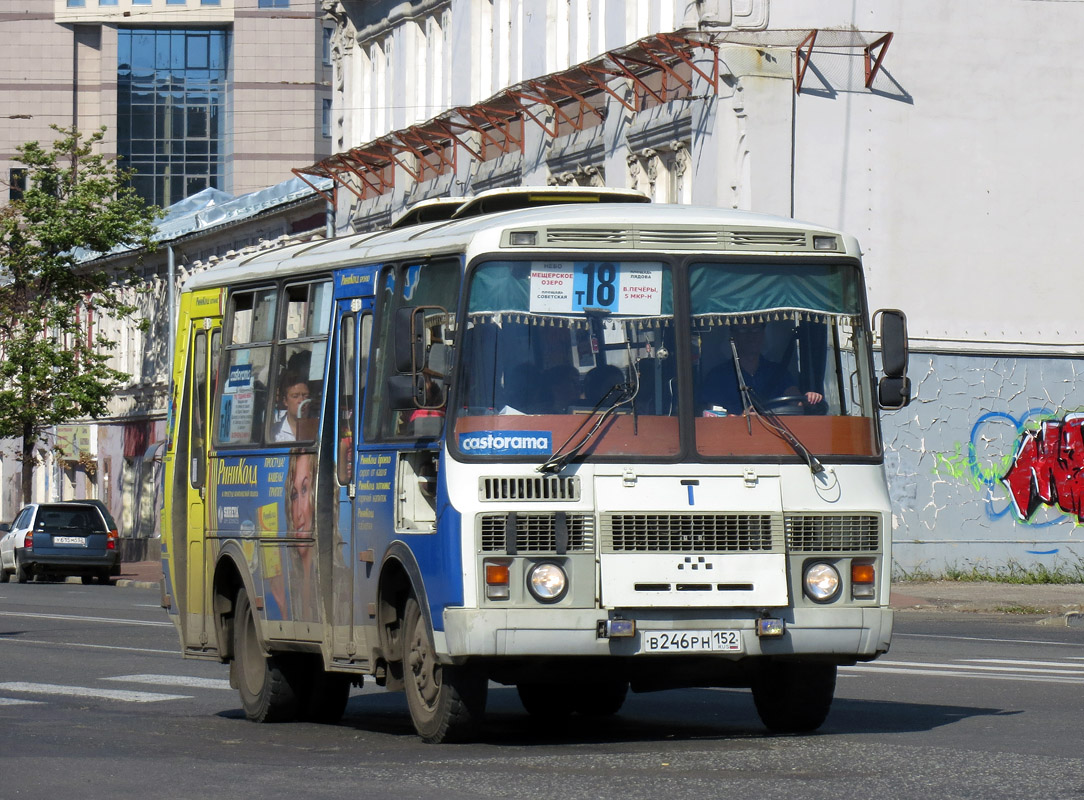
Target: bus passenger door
(354,332)
(204,343)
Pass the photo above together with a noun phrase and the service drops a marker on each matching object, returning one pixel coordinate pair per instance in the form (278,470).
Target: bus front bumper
(849,634)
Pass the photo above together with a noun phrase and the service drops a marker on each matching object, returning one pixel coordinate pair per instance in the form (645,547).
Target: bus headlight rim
(821,582)
(547,582)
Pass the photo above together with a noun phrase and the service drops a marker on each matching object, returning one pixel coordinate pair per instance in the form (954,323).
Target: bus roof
(631,228)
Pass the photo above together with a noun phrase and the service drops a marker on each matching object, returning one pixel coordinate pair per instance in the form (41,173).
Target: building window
(141,2)
(176,2)
(210,2)
(326,52)
(274,3)
(325,118)
(77,3)
(107,2)
(16,183)
(171,109)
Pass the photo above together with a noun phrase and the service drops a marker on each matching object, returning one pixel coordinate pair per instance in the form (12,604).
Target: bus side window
(197,443)
(347,383)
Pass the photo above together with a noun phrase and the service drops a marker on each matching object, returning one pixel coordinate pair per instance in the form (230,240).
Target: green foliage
(1062,571)
(53,293)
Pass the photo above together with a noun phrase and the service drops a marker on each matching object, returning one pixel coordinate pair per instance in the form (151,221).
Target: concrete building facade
(942,136)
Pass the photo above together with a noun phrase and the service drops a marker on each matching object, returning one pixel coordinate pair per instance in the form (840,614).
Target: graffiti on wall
(1031,467)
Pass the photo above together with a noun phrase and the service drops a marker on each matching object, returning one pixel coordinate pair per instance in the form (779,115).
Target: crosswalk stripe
(175,680)
(84,691)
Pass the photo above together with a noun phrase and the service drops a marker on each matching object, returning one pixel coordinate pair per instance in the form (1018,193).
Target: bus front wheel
(794,697)
(446,702)
(267,694)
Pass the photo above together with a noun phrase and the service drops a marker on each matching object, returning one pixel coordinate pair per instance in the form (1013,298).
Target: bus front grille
(529,487)
(691,533)
(832,533)
(535,533)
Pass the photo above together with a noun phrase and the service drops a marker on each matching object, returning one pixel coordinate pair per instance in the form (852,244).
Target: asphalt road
(95,702)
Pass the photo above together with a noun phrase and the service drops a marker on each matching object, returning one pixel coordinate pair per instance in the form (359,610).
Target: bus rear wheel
(267,694)
(446,702)
(794,697)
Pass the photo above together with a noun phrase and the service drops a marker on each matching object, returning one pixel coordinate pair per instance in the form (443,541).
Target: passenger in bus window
(295,399)
(561,387)
(599,383)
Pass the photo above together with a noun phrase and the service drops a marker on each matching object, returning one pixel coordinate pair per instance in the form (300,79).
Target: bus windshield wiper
(751,403)
(560,457)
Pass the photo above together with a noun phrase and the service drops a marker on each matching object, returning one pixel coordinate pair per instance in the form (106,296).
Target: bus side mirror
(409,339)
(894,389)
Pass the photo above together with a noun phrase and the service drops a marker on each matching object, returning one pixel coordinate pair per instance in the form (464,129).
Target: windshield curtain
(552,345)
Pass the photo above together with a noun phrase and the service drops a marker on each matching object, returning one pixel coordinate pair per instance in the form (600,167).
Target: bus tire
(325,696)
(794,697)
(602,699)
(546,699)
(447,703)
(266,692)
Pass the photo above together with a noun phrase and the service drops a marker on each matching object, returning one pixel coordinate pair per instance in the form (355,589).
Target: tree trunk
(29,440)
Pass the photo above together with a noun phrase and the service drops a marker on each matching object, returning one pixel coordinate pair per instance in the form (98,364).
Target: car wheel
(5,576)
(104,578)
(86,579)
(22,573)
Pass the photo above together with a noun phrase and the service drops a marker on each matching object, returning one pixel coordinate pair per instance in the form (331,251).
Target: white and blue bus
(582,446)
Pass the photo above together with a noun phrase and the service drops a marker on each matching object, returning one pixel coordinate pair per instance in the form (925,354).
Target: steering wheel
(786,404)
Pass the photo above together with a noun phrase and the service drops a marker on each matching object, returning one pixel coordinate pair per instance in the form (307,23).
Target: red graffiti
(1048,468)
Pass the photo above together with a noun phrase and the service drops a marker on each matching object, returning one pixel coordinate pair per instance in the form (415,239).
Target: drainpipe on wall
(170,304)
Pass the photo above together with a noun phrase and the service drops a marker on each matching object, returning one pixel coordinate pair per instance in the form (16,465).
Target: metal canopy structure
(651,71)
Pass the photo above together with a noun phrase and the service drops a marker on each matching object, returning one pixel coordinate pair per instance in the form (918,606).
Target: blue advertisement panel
(269,503)
(506,443)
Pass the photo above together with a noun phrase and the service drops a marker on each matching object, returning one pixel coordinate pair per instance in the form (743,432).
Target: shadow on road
(677,715)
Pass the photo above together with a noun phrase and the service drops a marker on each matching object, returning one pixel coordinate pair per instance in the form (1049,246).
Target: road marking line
(1073,667)
(20,640)
(175,680)
(987,639)
(974,668)
(84,691)
(15,701)
(949,674)
(79,618)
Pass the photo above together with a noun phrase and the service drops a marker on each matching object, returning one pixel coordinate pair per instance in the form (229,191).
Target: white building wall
(958,170)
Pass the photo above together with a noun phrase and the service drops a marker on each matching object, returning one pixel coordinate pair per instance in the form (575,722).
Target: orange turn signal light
(496,574)
(862,573)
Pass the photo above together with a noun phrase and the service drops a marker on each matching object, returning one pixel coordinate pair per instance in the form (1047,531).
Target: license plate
(690,642)
(76,541)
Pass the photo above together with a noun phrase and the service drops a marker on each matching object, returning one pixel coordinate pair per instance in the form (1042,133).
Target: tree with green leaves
(54,289)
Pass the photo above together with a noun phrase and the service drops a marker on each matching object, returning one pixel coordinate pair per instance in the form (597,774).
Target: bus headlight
(547,582)
(821,582)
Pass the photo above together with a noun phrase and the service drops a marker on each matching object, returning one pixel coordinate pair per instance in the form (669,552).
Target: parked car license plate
(73,541)
(691,642)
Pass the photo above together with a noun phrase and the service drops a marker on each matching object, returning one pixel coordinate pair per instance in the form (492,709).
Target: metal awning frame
(495,120)
(873,54)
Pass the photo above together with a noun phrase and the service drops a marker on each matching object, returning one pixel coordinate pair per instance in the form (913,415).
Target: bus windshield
(792,336)
(548,343)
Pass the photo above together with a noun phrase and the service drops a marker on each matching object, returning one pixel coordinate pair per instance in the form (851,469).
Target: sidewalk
(1061,602)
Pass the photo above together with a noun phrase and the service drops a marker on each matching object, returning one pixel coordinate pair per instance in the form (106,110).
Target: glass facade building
(171,109)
